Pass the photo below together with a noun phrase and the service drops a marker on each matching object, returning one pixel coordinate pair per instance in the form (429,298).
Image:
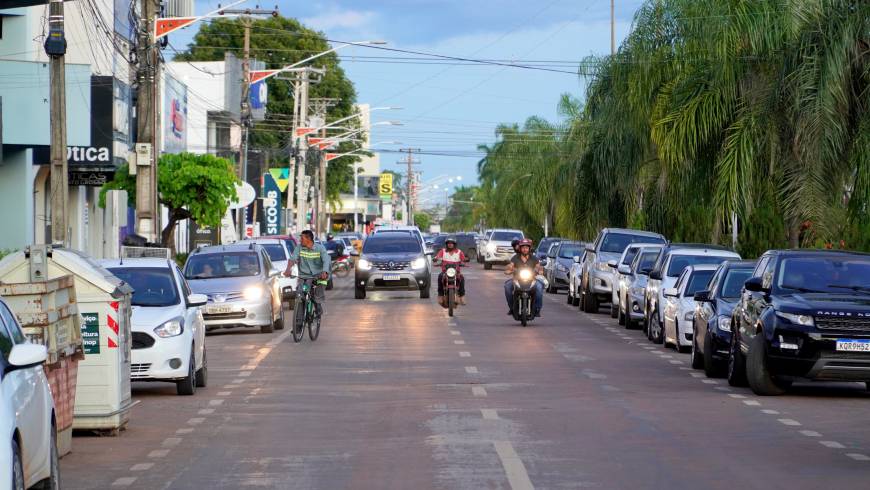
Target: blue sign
(271,205)
(258,98)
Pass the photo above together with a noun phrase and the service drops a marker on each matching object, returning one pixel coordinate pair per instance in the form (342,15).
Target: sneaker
(511,312)
(538,314)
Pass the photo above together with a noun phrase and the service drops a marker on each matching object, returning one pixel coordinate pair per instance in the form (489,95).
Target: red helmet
(525,242)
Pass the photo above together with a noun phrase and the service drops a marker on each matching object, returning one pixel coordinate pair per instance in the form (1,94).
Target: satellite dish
(246,195)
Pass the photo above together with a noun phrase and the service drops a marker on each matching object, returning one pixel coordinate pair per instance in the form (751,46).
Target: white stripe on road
(770,412)
(478,391)
(489,414)
(471,370)
(171,441)
(158,453)
(454,332)
(142,467)
(459,342)
(791,422)
(858,457)
(810,433)
(514,468)
(124,482)
(832,444)
(751,403)
(465,354)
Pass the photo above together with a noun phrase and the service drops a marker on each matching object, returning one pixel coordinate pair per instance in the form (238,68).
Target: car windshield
(222,264)
(680,262)
(647,261)
(290,245)
(825,274)
(544,245)
(629,255)
(698,282)
(569,250)
(506,236)
(275,251)
(734,281)
(616,242)
(151,286)
(391,243)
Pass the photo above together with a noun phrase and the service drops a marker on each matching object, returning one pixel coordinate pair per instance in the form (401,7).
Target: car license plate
(391,277)
(219,309)
(853,345)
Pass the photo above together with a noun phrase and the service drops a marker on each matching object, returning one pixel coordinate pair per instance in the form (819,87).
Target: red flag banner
(332,156)
(257,75)
(303,131)
(163,27)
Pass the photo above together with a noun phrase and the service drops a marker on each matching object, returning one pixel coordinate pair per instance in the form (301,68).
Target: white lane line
(770,412)
(238,381)
(489,414)
(685,368)
(206,411)
(455,332)
(171,442)
(216,403)
(465,354)
(858,456)
(459,342)
(158,453)
(675,362)
(186,430)
(736,396)
(751,403)
(514,468)
(832,444)
(471,370)
(609,388)
(224,393)
(196,421)
(142,467)
(125,481)
(244,374)
(478,391)
(696,375)
(722,388)
(790,422)
(710,381)
(230,387)
(666,356)
(810,433)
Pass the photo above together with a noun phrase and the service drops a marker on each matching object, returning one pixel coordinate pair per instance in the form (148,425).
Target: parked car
(633,288)
(241,285)
(279,254)
(669,265)
(467,242)
(482,240)
(29,455)
(621,277)
(559,266)
(679,312)
(167,324)
(289,241)
(803,315)
(544,246)
(393,260)
(711,336)
(575,278)
(597,286)
(498,247)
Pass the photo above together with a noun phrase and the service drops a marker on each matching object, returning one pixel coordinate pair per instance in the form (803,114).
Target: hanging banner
(271,205)
(385,186)
(282,177)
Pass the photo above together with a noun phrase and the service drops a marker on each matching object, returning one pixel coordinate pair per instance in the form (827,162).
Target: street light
(257,75)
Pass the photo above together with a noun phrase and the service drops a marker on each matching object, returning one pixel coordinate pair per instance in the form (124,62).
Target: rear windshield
(647,261)
(151,286)
(275,251)
(734,281)
(505,236)
(544,245)
(383,243)
(569,250)
(698,282)
(616,242)
(222,264)
(680,262)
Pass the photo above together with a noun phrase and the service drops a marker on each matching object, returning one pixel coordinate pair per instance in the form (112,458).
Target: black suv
(803,314)
(392,260)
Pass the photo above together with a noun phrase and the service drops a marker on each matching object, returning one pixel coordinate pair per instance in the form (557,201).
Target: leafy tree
(190,185)
(422,220)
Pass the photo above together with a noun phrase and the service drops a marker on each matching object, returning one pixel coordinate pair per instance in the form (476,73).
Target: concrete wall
(16,187)
(205,92)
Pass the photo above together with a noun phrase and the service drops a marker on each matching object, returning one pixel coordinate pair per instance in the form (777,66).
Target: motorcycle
(524,295)
(341,266)
(452,276)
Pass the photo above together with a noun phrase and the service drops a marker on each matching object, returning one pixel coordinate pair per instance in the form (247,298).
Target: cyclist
(313,260)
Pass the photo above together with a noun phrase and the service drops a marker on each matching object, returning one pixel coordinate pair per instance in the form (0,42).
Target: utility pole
(148,100)
(319,107)
(410,162)
(55,47)
(301,155)
(612,27)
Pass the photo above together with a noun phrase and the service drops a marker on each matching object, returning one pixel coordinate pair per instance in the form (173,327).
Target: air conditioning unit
(178,8)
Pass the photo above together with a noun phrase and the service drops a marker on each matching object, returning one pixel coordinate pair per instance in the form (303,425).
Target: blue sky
(448,108)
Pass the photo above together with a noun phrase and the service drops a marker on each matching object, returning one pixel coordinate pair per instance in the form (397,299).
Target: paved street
(396,395)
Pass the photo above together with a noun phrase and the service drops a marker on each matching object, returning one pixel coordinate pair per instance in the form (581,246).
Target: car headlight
(805,320)
(418,264)
(364,265)
(526,275)
(561,268)
(725,324)
(491,248)
(171,328)
(451,272)
(637,291)
(689,316)
(603,266)
(253,293)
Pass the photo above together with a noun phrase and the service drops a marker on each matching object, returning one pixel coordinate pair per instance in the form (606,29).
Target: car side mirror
(624,269)
(702,296)
(545,261)
(611,264)
(755,285)
(576,259)
(197,300)
(671,292)
(657,275)
(590,248)
(23,356)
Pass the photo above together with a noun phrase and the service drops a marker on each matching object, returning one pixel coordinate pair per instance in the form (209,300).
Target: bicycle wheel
(314,327)
(299,320)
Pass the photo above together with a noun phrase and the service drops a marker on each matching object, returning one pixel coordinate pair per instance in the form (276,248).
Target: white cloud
(340,19)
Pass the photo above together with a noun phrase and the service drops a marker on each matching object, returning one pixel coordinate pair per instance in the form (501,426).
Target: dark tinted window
(5,341)
(275,251)
(505,236)
(569,250)
(12,323)
(151,286)
(828,274)
(616,242)
(465,241)
(680,262)
(544,244)
(698,282)
(290,245)
(734,281)
(646,261)
(391,243)
(222,264)
(629,255)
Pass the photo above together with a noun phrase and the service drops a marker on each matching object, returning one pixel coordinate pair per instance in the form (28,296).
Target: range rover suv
(393,260)
(802,315)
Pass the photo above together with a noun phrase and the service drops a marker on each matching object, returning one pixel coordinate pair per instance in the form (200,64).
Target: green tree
(422,220)
(190,186)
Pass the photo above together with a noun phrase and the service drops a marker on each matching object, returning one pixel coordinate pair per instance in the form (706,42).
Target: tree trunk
(167,237)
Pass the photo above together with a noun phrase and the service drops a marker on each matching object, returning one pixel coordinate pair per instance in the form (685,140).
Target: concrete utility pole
(612,27)
(147,107)
(55,47)
(319,107)
(302,150)
(410,162)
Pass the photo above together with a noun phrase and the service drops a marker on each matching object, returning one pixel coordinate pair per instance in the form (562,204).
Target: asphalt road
(395,395)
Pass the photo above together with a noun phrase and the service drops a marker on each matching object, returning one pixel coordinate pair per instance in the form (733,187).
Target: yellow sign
(385,186)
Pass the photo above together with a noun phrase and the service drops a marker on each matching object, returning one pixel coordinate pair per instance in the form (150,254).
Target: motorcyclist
(450,254)
(336,247)
(313,261)
(524,258)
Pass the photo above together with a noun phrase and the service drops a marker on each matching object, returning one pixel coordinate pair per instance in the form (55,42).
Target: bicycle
(305,313)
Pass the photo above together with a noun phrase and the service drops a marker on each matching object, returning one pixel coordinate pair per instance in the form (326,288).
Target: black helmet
(329,236)
(514,243)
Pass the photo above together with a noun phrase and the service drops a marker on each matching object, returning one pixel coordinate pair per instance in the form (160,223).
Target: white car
(28,454)
(575,279)
(623,277)
(680,309)
(167,324)
(498,247)
(280,255)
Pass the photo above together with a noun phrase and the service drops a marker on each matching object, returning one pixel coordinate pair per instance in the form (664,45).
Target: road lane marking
(489,414)
(142,467)
(751,403)
(791,422)
(171,442)
(858,456)
(196,421)
(158,453)
(675,362)
(514,468)
(685,368)
(206,411)
(230,387)
(244,374)
(216,403)
(735,395)
(124,481)
(224,393)
(710,381)
(465,354)
(454,332)
(459,342)
(609,388)
(810,433)
(478,391)
(770,412)
(186,430)
(696,375)
(832,444)
(722,388)
(471,370)
(238,381)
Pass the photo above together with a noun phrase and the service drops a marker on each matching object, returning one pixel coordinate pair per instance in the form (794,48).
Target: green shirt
(311,261)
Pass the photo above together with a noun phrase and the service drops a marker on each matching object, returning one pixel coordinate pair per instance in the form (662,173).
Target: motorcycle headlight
(526,275)
(689,316)
(491,248)
(724,324)
(418,264)
(364,265)
(253,293)
(805,320)
(451,272)
(171,328)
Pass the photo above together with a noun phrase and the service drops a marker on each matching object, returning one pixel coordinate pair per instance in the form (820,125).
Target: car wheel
(736,363)
(424,292)
(17,467)
(187,386)
(697,357)
(53,481)
(359,293)
(575,301)
(590,302)
(487,265)
(656,329)
(757,373)
(202,373)
(712,368)
(569,299)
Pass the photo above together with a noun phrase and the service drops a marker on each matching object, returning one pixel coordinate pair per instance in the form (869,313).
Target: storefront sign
(91,333)
(271,205)
(94,179)
(385,186)
(202,235)
(175,116)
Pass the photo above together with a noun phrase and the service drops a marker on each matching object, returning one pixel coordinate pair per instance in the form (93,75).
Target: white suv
(498,247)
